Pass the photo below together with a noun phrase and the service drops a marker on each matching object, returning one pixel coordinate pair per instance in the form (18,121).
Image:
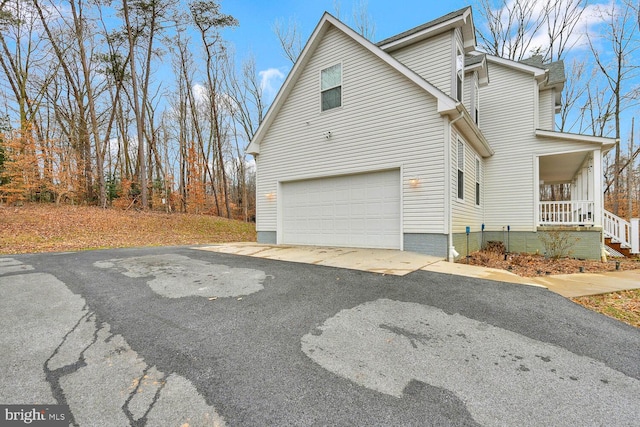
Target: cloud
(270,81)
(199,93)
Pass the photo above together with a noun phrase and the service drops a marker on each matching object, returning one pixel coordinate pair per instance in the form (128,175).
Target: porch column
(598,196)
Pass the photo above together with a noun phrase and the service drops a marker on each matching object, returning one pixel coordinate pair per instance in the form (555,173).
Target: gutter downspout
(452,254)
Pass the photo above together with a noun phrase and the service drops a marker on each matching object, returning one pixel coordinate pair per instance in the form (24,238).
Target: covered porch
(570,194)
(570,189)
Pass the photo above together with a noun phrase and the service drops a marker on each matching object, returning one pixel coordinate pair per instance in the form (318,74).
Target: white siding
(470,83)
(547,110)
(465,212)
(433,59)
(507,120)
(385,122)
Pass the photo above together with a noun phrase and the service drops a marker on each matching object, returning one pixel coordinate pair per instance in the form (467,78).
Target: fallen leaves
(623,305)
(50,228)
(531,265)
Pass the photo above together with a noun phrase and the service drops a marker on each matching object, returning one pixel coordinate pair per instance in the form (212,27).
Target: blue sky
(255,33)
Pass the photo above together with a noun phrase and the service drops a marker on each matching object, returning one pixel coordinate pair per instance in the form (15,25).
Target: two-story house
(422,143)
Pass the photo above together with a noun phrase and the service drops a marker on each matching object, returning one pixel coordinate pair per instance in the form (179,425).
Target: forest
(142,104)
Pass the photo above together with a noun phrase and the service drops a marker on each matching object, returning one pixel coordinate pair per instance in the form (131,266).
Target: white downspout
(452,254)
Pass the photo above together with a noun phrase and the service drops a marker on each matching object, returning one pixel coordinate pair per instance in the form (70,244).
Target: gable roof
(478,63)
(459,18)
(446,105)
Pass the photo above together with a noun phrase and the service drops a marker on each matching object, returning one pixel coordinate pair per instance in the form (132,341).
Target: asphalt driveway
(177,336)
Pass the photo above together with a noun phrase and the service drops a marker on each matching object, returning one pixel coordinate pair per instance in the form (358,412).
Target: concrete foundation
(581,242)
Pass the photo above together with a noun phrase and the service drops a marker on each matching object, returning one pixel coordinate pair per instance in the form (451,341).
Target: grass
(623,305)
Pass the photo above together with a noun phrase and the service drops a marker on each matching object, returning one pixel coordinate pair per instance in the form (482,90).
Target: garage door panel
(356,210)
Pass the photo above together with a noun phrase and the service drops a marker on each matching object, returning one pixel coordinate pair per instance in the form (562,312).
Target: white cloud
(270,81)
(199,93)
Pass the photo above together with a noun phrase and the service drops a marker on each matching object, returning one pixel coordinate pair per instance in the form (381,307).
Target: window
(459,73)
(460,170)
(331,87)
(477,181)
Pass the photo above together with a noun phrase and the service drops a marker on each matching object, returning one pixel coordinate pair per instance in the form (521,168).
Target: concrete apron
(400,263)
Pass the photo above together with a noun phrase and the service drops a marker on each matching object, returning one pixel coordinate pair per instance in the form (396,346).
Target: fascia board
(605,142)
(538,73)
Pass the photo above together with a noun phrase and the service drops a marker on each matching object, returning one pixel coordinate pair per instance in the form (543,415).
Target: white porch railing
(617,229)
(573,212)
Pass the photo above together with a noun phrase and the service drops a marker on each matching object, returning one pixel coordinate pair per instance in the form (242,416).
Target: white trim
(538,73)
(341,86)
(401,219)
(279,213)
(536,190)
(448,129)
(536,105)
(574,137)
(598,193)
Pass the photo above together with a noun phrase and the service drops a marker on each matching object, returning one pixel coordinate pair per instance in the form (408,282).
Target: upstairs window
(331,87)
(460,170)
(459,74)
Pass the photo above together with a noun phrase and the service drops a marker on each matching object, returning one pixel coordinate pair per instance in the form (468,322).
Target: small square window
(331,87)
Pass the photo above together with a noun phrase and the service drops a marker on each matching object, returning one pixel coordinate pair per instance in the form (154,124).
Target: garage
(360,210)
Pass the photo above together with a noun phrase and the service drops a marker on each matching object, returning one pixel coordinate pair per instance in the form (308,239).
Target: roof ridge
(424,26)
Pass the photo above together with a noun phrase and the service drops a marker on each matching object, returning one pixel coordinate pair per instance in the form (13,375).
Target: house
(422,143)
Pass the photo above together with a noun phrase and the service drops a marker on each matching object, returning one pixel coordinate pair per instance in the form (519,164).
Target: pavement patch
(53,350)
(176,276)
(10,265)
(502,377)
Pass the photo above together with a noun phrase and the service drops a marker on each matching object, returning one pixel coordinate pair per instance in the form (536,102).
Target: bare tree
(620,36)
(572,94)
(513,27)
(247,107)
(289,37)
(510,27)
(363,21)
(208,20)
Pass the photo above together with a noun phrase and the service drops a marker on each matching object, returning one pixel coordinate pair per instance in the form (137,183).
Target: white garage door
(356,210)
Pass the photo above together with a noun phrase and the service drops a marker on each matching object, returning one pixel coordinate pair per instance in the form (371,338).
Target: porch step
(612,252)
(618,247)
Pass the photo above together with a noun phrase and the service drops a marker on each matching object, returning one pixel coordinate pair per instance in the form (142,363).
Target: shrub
(557,243)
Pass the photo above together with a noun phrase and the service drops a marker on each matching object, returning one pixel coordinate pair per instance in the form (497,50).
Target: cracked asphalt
(182,337)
